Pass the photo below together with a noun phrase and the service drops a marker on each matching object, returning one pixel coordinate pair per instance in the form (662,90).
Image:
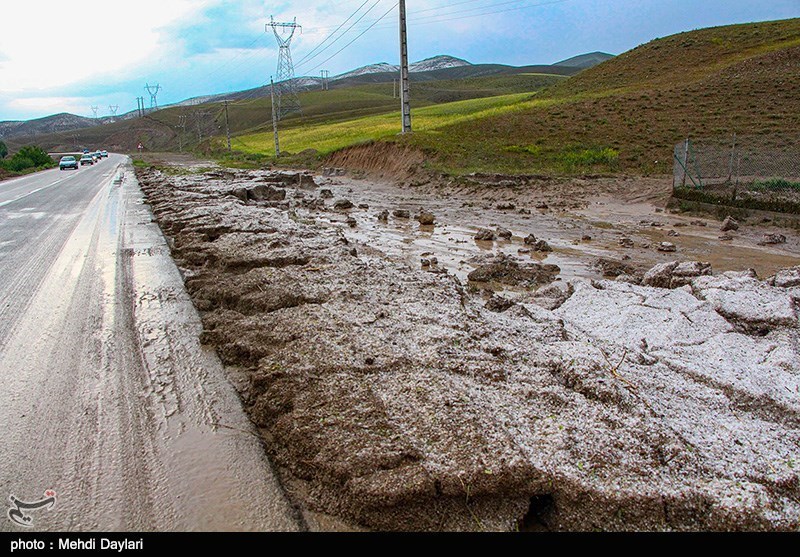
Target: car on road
(67,161)
(87,158)
(104,153)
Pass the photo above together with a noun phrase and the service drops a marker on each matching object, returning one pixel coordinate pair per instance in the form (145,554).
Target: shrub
(3,150)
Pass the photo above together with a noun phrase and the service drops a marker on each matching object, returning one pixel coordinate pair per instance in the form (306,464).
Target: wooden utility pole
(404,98)
(227,126)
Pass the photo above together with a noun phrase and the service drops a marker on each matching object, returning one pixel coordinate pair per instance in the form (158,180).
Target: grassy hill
(625,114)
(162,131)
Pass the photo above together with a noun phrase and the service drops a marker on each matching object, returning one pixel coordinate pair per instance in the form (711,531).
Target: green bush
(3,150)
(27,158)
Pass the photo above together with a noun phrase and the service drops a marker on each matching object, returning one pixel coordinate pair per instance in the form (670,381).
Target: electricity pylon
(94,110)
(112,108)
(324,74)
(153,90)
(286,99)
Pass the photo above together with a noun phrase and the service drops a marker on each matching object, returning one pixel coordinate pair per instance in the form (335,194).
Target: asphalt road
(106,396)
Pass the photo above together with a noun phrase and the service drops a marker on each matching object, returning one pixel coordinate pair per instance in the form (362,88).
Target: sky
(56,57)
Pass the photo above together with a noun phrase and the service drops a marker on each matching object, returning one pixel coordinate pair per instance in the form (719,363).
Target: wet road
(106,396)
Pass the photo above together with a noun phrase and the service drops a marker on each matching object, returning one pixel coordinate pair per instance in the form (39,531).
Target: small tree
(3,150)
(36,154)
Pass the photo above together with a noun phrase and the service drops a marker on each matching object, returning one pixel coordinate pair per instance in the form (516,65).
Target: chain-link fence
(758,172)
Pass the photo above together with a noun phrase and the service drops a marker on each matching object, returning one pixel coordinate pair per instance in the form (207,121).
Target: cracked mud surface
(400,397)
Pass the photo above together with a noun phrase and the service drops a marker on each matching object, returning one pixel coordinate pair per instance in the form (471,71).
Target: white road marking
(62,179)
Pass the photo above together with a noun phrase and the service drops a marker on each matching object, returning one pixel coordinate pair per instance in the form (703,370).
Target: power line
(354,40)
(308,59)
(332,34)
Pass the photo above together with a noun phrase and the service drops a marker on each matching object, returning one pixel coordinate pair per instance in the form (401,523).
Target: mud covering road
(395,395)
(106,396)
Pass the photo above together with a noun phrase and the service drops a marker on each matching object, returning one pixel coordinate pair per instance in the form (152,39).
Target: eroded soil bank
(400,396)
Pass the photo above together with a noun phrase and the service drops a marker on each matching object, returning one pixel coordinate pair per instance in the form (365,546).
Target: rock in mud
(508,271)
(351,222)
(552,296)
(772,239)
(541,245)
(325,194)
(401,214)
(306,182)
(612,267)
(383,216)
(529,240)
(729,224)
(503,233)
(240,193)
(698,223)
(342,205)
(586,238)
(666,246)
(505,206)
(675,274)
(363,206)
(725,237)
(498,304)
(485,235)
(426,219)
(263,192)
(626,242)
(786,278)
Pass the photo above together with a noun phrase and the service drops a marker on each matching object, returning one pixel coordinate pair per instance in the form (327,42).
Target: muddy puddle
(577,237)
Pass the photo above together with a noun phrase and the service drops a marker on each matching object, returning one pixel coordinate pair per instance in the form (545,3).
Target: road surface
(106,396)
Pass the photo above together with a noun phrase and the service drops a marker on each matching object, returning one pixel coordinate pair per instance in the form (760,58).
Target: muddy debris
(351,221)
(503,233)
(506,270)
(401,214)
(613,268)
(530,240)
(506,206)
(542,246)
(675,274)
(586,238)
(263,192)
(485,235)
(392,398)
(383,216)
(342,205)
(725,237)
(426,219)
(772,239)
(363,206)
(666,247)
(626,242)
(729,224)
(698,223)
(498,304)
(325,193)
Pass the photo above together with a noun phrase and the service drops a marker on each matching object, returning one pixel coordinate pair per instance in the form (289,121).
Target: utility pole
(94,110)
(394,88)
(113,109)
(324,74)
(405,102)
(198,115)
(153,90)
(182,126)
(274,117)
(227,127)
(287,99)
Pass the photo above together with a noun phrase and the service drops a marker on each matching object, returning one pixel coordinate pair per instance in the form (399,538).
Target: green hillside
(625,114)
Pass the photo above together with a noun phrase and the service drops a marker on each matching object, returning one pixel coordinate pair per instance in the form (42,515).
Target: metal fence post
(685,161)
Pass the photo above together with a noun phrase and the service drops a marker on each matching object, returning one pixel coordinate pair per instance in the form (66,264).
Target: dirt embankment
(383,160)
(395,398)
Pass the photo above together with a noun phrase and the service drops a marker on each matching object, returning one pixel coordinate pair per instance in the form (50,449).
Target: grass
(775,184)
(326,138)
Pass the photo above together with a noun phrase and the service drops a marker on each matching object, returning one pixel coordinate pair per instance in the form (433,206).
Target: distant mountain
(382,67)
(584,61)
(431,69)
(437,63)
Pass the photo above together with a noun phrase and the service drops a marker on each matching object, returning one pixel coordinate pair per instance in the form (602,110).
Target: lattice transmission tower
(286,99)
(153,91)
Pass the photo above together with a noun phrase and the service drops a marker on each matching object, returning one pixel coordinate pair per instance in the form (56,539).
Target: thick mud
(394,392)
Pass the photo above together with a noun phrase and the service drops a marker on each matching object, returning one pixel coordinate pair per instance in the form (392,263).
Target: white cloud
(50,43)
